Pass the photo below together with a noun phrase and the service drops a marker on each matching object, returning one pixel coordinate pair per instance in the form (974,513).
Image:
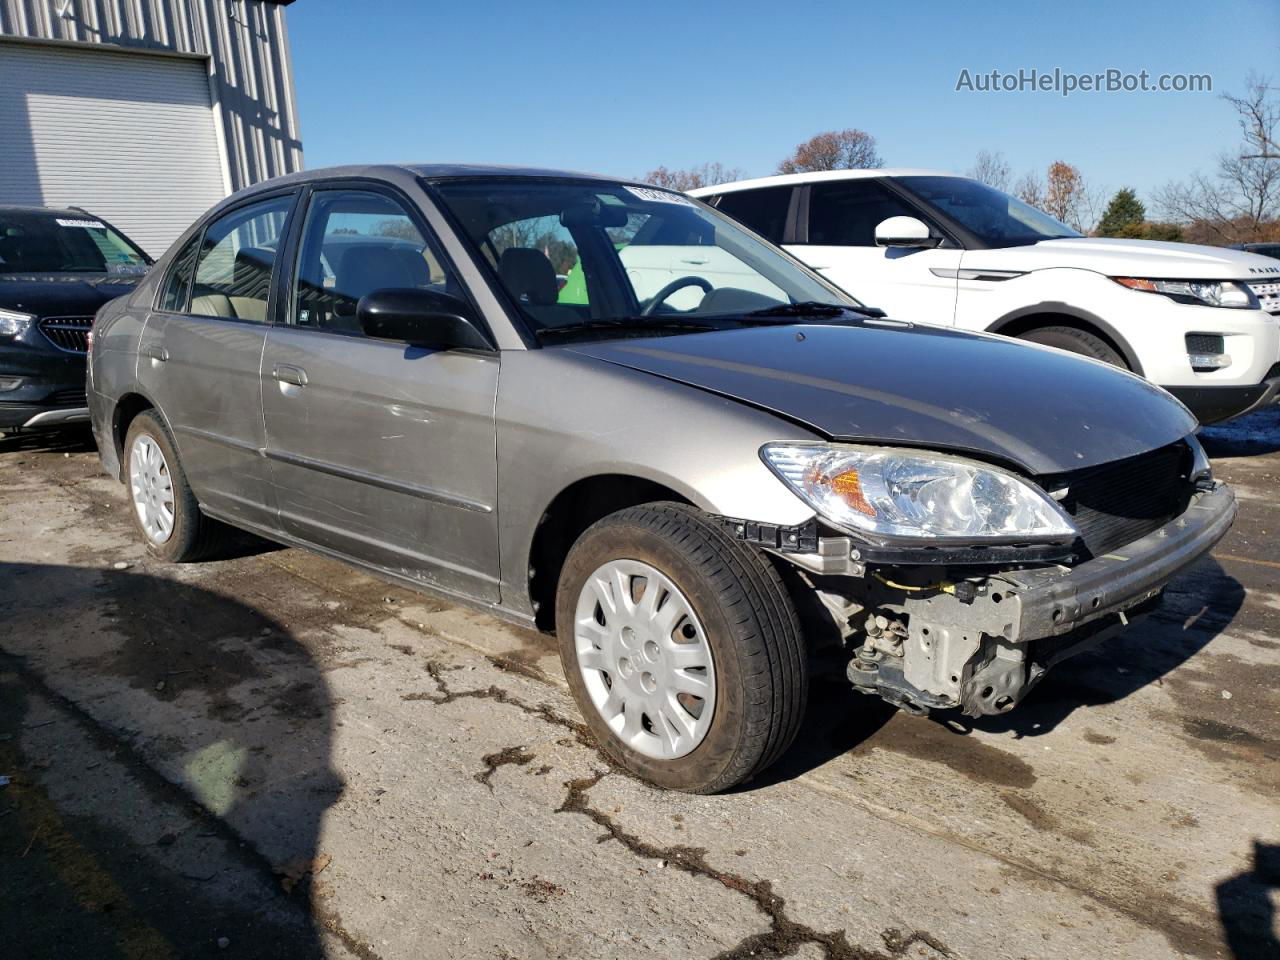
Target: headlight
(13,323)
(1214,293)
(923,496)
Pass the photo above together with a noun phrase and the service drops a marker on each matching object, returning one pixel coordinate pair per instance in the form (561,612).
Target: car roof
(398,171)
(69,212)
(429,171)
(817,176)
(436,171)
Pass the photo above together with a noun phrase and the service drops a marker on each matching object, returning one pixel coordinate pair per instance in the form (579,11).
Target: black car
(57,267)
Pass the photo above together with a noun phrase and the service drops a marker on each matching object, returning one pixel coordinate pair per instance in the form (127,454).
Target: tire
(1078,341)
(192,535)
(739,610)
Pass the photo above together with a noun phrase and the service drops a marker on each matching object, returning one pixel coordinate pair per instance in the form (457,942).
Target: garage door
(129,137)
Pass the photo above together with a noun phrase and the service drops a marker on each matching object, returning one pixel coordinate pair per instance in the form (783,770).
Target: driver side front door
(380,451)
(916,285)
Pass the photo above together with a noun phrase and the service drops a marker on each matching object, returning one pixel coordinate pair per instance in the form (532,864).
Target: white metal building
(145,112)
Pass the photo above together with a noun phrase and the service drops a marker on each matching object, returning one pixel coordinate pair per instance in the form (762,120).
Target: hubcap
(645,659)
(152,488)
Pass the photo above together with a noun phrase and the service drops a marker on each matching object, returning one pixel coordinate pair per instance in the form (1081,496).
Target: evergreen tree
(1124,216)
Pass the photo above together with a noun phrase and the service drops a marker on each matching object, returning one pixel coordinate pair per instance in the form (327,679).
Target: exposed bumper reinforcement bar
(986,653)
(1051,603)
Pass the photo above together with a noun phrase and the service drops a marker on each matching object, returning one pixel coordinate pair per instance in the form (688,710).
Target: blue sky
(621,88)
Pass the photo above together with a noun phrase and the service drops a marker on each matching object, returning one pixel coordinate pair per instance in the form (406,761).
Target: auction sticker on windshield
(660,196)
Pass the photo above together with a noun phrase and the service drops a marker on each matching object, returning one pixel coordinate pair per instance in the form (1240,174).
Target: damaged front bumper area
(981,641)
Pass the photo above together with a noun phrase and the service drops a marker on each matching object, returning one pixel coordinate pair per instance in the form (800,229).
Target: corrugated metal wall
(129,137)
(248,49)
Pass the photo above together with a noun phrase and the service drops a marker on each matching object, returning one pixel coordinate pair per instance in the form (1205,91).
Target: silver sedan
(603,409)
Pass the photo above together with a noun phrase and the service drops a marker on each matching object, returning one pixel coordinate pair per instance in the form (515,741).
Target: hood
(1130,258)
(62,294)
(1036,408)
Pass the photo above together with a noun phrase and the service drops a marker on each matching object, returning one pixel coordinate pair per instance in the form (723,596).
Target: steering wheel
(672,287)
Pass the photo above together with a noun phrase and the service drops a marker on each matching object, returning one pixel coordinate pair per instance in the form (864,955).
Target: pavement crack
(444,694)
(785,936)
(518,756)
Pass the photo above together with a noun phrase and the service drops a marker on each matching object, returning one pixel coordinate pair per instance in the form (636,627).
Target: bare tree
(1062,190)
(1030,189)
(992,169)
(834,150)
(1259,118)
(1063,194)
(1240,201)
(706,175)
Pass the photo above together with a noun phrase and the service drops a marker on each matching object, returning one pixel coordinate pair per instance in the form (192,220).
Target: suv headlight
(1213,293)
(14,323)
(894,493)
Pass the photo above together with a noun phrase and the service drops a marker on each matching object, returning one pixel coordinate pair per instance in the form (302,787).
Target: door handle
(155,352)
(287,373)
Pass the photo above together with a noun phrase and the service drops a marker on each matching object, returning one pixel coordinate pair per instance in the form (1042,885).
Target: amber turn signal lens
(848,488)
(1137,283)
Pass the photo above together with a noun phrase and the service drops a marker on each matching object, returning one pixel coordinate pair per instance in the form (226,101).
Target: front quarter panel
(563,418)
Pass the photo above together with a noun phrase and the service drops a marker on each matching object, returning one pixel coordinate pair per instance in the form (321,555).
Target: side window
(177,285)
(845,212)
(233,273)
(537,261)
(353,243)
(764,210)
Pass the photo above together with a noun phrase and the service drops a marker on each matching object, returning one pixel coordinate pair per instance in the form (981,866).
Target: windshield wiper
(623,325)
(813,308)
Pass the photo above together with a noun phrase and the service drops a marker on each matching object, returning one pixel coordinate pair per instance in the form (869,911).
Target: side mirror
(418,317)
(904,232)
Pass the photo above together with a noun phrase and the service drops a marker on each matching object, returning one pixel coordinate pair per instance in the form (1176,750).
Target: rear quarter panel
(113,368)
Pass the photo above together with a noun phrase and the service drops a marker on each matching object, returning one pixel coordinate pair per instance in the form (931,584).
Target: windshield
(995,218)
(37,241)
(573,254)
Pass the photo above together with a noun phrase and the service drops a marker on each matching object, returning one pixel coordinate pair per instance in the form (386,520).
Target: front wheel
(682,648)
(1077,341)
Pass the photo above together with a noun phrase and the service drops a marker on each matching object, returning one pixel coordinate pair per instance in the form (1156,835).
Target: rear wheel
(1077,341)
(682,648)
(164,509)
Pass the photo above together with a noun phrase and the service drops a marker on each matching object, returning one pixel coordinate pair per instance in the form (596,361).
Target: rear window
(46,242)
(764,210)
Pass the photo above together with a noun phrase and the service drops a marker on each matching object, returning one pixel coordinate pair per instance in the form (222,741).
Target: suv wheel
(165,510)
(682,648)
(1077,341)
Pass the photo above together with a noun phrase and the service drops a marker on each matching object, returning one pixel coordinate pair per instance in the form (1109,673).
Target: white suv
(929,247)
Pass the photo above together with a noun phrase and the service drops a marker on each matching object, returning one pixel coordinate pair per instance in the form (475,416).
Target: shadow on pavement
(77,438)
(1246,909)
(1251,436)
(838,720)
(212,712)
